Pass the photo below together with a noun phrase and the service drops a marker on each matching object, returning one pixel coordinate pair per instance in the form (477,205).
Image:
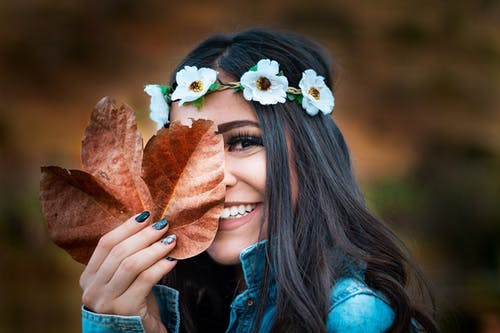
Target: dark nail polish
(170,259)
(142,216)
(169,239)
(160,224)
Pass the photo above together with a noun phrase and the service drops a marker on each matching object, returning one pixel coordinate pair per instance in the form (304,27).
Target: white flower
(193,83)
(317,95)
(158,105)
(264,85)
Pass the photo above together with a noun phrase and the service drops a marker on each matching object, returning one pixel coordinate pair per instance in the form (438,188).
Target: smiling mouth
(237,211)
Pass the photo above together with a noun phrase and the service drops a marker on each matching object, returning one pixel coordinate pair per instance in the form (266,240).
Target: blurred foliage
(449,202)
(418,99)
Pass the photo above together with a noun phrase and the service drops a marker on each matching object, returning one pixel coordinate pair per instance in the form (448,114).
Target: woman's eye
(243,142)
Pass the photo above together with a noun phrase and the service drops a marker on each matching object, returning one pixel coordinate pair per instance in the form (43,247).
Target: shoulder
(355,307)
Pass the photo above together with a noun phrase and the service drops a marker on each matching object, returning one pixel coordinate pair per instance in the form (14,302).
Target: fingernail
(170,259)
(169,239)
(142,216)
(160,224)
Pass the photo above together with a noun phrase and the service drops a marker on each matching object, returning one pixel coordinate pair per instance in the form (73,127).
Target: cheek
(252,171)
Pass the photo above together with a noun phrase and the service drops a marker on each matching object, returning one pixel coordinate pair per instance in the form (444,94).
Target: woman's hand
(126,264)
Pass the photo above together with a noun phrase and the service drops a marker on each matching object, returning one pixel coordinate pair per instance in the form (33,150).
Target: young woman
(296,250)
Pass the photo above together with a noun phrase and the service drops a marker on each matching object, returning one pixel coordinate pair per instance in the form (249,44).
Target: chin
(236,236)
(224,258)
(227,251)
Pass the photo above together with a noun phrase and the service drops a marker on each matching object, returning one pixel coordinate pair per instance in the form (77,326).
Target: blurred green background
(418,100)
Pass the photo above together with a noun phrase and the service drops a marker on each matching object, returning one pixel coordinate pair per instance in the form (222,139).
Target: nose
(229,176)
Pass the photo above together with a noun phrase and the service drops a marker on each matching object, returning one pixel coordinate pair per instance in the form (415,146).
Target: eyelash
(246,140)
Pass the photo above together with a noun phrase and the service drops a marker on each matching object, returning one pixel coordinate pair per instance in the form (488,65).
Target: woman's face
(245,170)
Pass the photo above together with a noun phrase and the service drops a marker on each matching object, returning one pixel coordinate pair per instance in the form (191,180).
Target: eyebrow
(224,127)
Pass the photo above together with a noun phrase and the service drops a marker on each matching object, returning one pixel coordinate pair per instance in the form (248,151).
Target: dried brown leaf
(178,176)
(78,210)
(184,171)
(112,152)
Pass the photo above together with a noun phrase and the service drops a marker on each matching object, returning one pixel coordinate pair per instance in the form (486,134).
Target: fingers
(125,265)
(128,247)
(135,265)
(115,236)
(135,276)
(142,285)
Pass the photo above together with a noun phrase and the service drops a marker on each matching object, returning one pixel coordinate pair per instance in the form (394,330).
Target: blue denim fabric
(357,308)
(244,305)
(354,306)
(105,323)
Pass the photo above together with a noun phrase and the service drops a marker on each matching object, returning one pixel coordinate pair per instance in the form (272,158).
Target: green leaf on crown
(198,102)
(213,86)
(300,98)
(165,90)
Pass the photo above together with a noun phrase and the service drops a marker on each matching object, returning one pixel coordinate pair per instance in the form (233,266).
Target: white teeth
(237,211)
(225,213)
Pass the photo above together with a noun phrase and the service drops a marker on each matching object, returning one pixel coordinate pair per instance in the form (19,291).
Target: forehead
(220,107)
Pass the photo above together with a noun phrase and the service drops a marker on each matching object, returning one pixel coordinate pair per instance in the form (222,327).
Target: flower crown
(263,83)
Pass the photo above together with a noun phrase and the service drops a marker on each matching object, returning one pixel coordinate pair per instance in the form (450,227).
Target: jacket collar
(253,260)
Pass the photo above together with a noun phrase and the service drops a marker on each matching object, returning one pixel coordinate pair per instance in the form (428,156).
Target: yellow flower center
(263,83)
(314,93)
(196,86)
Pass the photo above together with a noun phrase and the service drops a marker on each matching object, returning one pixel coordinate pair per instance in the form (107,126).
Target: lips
(237,211)
(231,218)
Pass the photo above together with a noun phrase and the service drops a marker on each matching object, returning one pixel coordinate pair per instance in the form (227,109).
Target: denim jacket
(354,306)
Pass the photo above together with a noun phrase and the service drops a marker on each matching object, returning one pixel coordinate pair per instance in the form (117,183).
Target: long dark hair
(328,234)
